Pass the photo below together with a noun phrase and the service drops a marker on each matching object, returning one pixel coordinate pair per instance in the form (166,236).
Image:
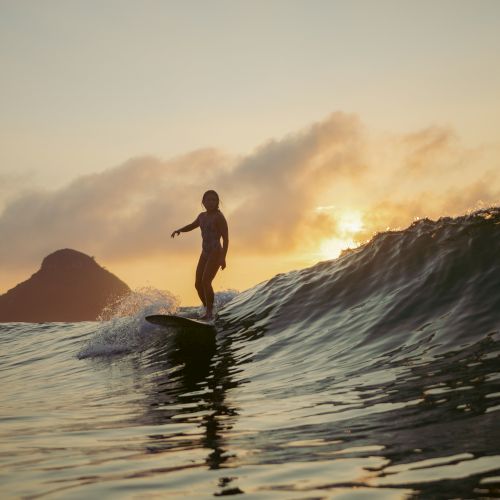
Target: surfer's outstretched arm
(189,227)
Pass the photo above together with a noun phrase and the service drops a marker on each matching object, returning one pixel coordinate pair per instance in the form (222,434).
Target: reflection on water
(199,422)
(189,387)
(401,433)
(185,404)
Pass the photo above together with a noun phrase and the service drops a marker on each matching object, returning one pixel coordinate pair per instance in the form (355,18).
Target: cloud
(11,183)
(124,211)
(269,196)
(429,148)
(277,186)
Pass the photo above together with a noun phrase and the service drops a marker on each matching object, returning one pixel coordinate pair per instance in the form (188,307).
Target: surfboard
(192,339)
(180,322)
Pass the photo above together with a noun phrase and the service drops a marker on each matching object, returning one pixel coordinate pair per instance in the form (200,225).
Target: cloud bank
(269,196)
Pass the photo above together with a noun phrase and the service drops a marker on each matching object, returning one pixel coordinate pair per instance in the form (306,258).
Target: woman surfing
(213,226)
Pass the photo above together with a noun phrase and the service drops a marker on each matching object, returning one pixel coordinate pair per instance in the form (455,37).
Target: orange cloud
(269,196)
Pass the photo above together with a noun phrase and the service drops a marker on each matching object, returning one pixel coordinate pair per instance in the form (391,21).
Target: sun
(349,223)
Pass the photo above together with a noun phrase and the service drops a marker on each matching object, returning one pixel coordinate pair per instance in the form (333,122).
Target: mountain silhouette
(69,286)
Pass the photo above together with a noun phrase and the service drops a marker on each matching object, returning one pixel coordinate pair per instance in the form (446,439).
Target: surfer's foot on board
(206,317)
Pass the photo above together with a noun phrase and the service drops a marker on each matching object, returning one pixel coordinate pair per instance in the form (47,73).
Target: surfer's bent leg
(211,267)
(199,278)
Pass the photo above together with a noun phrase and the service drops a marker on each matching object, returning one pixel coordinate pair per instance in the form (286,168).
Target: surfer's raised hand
(189,227)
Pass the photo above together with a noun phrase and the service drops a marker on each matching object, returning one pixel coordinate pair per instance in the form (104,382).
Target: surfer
(213,255)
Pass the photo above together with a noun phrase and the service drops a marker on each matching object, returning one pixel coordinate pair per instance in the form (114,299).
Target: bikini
(210,234)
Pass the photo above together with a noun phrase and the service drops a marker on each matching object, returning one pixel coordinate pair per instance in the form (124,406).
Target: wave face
(392,348)
(429,288)
(373,375)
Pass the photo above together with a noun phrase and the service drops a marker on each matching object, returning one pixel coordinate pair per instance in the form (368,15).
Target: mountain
(69,286)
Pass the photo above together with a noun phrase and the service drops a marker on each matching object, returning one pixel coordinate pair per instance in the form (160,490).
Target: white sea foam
(122,327)
(145,300)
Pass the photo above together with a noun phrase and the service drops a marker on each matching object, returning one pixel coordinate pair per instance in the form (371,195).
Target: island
(69,286)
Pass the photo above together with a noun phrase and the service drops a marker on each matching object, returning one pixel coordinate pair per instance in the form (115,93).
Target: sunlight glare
(348,224)
(332,247)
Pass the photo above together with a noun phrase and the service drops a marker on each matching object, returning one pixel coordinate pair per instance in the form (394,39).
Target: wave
(388,352)
(431,287)
(375,373)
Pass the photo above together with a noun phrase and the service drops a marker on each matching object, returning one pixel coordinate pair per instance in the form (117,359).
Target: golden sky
(319,123)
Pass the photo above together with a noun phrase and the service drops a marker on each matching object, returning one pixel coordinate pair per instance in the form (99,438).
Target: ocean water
(374,375)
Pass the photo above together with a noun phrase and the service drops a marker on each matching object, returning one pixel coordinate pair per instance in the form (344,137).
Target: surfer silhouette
(213,255)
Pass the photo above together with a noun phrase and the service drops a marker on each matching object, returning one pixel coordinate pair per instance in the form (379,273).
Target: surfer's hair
(211,191)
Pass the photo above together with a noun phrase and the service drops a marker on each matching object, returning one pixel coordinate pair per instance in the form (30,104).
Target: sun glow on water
(332,247)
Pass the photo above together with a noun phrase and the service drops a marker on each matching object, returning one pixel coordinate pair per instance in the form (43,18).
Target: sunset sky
(318,122)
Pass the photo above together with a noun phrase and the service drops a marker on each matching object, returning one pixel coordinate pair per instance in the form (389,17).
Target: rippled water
(375,375)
